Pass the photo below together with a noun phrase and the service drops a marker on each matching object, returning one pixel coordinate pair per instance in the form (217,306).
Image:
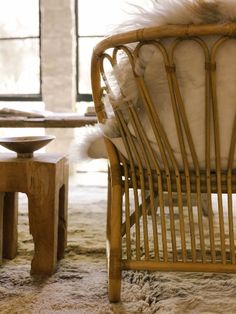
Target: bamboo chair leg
(114,244)
(108,227)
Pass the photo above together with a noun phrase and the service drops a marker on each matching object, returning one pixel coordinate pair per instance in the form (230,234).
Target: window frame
(81,97)
(27,97)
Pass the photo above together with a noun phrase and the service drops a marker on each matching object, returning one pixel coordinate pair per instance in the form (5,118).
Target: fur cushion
(190,74)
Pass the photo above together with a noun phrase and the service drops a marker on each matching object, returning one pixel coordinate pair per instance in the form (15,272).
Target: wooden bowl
(24,146)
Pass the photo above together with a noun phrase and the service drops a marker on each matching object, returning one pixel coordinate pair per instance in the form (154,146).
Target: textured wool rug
(80,283)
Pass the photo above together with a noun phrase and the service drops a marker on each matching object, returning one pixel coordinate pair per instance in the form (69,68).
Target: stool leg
(47,189)
(62,223)
(43,221)
(63,213)
(10,221)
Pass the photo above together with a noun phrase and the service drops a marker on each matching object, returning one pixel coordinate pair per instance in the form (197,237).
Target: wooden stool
(44,179)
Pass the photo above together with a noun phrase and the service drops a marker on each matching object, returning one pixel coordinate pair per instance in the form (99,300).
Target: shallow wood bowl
(25,146)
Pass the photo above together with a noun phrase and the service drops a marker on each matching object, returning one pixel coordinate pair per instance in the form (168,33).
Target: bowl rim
(25,139)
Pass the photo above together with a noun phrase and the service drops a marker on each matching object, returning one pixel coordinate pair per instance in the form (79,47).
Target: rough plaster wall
(58,49)
(58,54)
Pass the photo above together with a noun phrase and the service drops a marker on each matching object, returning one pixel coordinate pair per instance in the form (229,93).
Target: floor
(80,284)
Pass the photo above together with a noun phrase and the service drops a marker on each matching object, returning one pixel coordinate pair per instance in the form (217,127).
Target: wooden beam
(48,122)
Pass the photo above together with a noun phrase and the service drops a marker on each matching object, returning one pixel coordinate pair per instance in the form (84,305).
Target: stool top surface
(38,157)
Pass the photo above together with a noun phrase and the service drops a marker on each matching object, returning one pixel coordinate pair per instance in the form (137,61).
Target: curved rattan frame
(155,185)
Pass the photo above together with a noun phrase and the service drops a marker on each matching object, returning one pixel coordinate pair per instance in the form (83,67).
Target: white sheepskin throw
(191,75)
(163,12)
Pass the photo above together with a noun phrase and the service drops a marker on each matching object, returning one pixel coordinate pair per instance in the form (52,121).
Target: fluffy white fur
(190,63)
(89,143)
(163,12)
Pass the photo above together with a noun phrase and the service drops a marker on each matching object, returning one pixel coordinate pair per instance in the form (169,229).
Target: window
(20,69)
(94,20)
(91,27)
(20,74)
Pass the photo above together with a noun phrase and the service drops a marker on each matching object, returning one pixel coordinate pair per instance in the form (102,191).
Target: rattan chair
(145,228)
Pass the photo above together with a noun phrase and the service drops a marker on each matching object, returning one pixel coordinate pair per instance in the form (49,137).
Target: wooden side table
(44,179)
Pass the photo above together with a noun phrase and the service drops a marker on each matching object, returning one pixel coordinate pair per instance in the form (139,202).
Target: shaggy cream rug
(80,283)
